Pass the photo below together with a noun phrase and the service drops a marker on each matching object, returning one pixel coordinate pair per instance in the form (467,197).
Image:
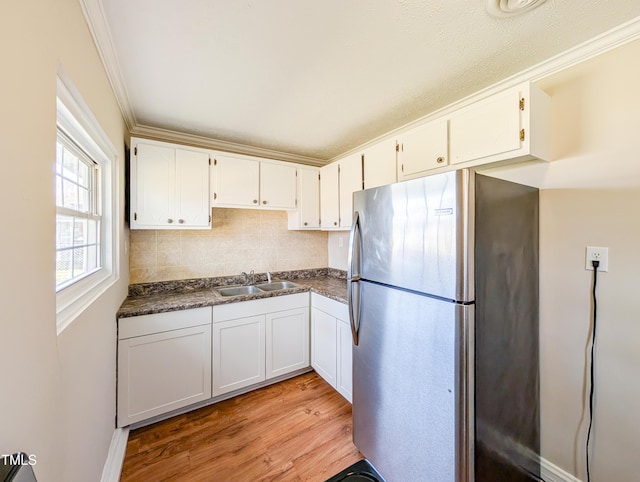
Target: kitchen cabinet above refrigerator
(511,126)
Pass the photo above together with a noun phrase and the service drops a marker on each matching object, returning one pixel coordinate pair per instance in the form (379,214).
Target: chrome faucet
(268,277)
(250,278)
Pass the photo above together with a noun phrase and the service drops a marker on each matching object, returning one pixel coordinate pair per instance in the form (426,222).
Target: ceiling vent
(509,8)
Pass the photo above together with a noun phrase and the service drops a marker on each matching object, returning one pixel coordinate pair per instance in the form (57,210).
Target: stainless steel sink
(277,285)
(238,290)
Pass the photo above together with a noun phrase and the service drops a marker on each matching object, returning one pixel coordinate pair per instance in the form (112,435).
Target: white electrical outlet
(597,254)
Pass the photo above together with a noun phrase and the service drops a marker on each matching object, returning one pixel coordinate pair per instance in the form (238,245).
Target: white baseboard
(553,473)
(115,458)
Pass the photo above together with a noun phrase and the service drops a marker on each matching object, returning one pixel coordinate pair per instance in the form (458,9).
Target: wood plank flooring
(296,430)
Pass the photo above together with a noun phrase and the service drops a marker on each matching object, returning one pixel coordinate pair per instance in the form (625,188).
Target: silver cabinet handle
(255,201)
(170,220)
(181,221)
(264,202)
(353,279)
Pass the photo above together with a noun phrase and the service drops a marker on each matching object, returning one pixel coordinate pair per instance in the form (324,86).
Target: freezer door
(412,387)
(416,234)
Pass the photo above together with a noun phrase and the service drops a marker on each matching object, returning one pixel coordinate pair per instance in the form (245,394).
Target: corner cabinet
(169,187)
(258,340)
(338,181)
(331,343)
(307,216)
(164,363)
(379,164)
(246,182)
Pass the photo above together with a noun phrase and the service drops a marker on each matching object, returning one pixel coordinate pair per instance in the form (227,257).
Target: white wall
(338,249)
(58,396)
(590,197)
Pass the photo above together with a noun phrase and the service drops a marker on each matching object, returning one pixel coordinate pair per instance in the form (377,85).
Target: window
(77,213)
(86,195)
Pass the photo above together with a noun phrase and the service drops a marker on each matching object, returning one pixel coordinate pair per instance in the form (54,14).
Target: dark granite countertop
(149,298)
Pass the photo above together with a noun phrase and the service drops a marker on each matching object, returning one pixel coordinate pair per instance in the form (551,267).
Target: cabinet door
(236,181)
(162,372)
(192,188)
(277,186)
(287,346)
(380,164)
(344,369)
(323,345)
(489,127)
(152,186)
(309,198)
(350,181)
(329,203)
(238,353)
(423,148)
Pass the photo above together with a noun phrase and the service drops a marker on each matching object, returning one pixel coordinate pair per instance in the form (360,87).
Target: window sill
(71,304)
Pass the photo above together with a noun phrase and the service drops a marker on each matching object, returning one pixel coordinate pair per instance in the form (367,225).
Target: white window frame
(78,123)
(93,212)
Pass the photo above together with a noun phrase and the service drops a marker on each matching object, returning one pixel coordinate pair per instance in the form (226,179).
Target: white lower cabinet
(331,349)
(287,341)
(164,363)
(344,383)
(238,354)
(168,361)
(324,334)
(257,340)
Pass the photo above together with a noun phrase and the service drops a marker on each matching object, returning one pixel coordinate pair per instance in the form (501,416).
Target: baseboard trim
(553,473)
(115,458)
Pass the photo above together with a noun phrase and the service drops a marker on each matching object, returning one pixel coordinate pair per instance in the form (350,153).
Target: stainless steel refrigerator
(443,300)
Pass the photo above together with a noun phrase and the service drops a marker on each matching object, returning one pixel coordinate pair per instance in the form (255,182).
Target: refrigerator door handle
(353,277)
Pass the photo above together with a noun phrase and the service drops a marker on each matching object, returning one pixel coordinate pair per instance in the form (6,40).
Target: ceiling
(316,79)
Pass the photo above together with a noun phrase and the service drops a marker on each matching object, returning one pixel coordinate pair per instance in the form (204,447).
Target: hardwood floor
(296,430)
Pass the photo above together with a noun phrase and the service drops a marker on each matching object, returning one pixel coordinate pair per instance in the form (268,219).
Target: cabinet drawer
(161,322)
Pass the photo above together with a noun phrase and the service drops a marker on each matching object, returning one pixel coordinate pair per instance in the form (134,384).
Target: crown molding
(159,134)
(609,40)
(95,17)
(97,23)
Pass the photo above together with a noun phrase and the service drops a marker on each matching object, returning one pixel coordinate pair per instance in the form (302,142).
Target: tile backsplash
(240,240)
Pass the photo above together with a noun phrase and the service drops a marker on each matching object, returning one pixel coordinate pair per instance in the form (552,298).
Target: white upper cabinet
(422,148)
(338,181)
(379,163)
(350,181)
(511,125)
(192,188)
(245,182)
(235,181)
(169,187)
(307,216)
(329,197)
(278,185)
